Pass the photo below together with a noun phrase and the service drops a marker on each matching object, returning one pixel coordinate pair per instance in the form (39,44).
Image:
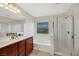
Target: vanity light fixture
(10,7)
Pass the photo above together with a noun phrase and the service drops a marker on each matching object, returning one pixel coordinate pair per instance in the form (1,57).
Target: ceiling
(44,9)
(36,10)
(6,13)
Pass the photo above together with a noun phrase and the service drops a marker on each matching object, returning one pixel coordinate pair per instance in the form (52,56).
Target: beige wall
(29,27)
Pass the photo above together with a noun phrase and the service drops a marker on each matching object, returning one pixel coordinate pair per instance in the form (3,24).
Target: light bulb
(18,10)
(14,8)
(10,5)
(6,3)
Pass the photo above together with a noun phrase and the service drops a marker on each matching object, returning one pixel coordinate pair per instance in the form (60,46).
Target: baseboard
(61,54)
(40,47)
(57,53)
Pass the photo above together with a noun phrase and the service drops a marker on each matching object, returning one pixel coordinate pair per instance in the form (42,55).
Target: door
(63,40)
(21,47)
(13,50)
(69,36)
(29,45)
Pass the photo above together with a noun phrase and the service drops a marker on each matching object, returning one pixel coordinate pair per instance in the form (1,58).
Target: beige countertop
(5,41)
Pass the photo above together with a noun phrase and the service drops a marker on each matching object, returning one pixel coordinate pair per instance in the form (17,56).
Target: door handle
(72,36)
(68,32)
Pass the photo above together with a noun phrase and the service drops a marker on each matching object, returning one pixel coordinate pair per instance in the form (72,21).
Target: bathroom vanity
(21,46)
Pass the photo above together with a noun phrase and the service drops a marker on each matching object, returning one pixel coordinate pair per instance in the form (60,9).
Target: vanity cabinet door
(4,51)
(10,50)
(21,48)
(29,45)
(13,50)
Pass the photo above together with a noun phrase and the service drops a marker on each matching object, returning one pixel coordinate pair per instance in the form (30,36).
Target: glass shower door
(63,44)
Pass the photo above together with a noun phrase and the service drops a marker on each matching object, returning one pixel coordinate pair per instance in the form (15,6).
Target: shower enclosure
(63,28)
(66,33)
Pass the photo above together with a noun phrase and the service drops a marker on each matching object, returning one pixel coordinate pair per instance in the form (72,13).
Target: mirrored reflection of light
(14,11)
(10,7)
(11,10)
(5,3)
(18,10)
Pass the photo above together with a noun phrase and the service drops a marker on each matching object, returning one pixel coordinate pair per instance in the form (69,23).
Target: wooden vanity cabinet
(29,45)
(21,48)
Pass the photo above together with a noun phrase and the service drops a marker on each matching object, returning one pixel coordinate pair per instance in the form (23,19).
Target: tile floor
(39,53)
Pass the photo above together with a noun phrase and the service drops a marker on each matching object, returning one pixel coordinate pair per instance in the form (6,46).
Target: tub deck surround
(5,41)
(21,46)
